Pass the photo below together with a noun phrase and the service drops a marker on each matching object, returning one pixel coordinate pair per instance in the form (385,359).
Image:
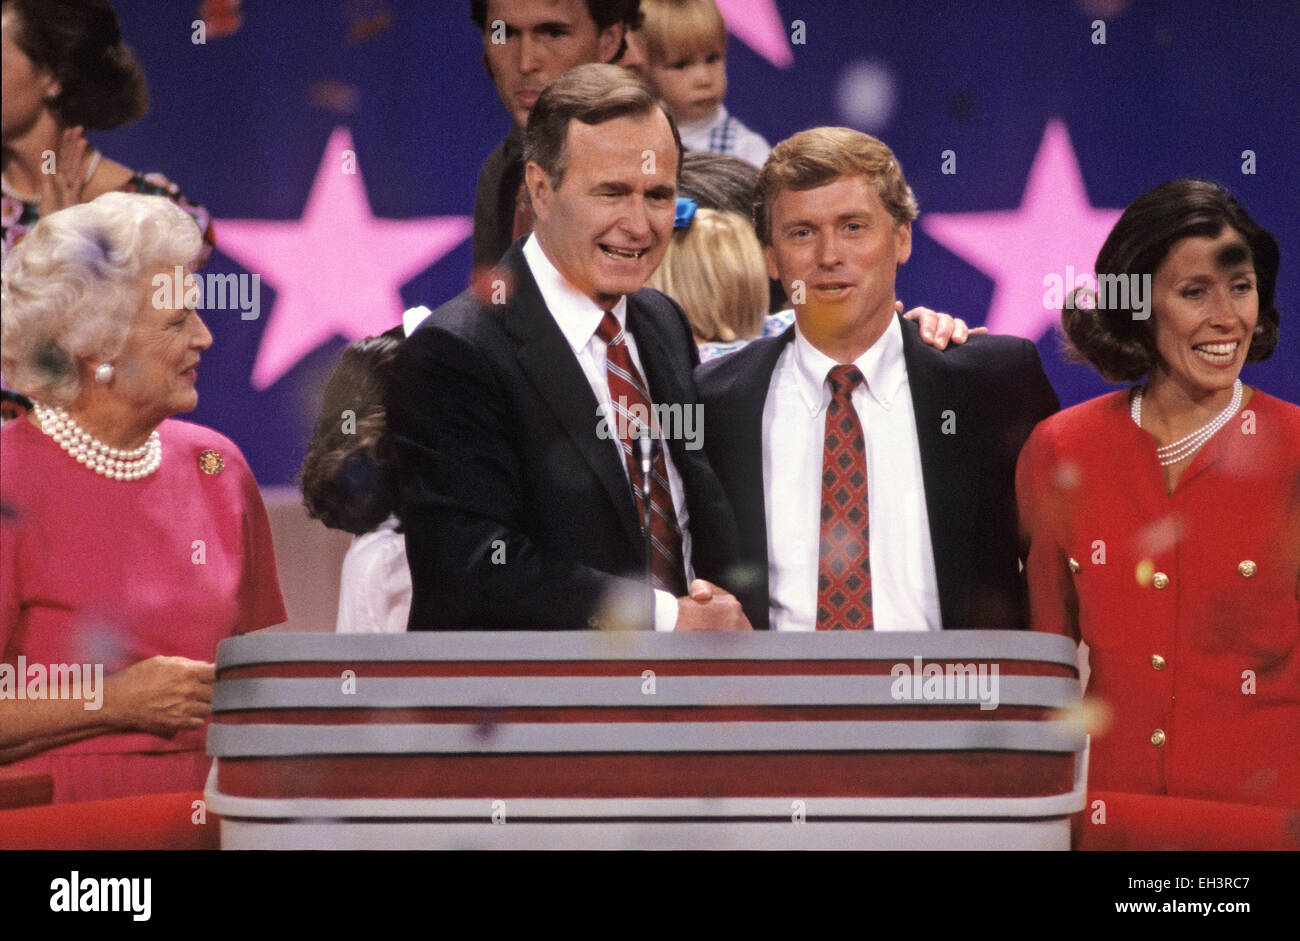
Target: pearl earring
(104,373)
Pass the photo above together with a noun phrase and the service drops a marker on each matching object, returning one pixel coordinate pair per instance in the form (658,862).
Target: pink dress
(100,571)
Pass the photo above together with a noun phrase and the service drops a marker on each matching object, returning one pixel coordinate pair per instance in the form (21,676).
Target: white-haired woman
(130,542)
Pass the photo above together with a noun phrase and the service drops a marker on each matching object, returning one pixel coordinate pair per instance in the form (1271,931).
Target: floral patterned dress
(17,217)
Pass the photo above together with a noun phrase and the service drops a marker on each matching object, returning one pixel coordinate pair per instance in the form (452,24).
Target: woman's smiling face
(1206,304)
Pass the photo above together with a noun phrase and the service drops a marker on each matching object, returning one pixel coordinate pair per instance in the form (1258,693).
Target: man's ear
(610,42)
(903,241)
(540,190)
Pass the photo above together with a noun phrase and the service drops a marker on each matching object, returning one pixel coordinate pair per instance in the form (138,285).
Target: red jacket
(1189,602)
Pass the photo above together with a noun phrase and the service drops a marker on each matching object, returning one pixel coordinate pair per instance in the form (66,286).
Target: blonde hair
(714,268)
(822,155)
(677,28)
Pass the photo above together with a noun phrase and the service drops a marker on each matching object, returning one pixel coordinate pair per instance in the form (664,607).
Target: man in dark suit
(872,475)
(508,415)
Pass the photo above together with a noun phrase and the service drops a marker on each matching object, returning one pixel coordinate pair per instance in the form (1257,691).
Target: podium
(638,740)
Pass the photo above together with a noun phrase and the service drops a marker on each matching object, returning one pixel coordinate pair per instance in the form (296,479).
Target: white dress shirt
(904,588)
(578,317)
(375,586)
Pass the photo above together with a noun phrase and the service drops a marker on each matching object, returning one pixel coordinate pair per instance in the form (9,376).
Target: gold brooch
(211,461)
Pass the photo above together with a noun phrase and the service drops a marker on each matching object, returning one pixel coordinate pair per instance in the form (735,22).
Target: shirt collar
(703,124)
(575,313)
(881,365)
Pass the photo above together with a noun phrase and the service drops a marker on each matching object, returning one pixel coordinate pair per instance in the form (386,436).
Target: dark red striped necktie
(630,398)
(844,566)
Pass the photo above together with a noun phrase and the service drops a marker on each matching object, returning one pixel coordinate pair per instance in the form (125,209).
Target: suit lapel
(742,453)
(936,402)
(666,384)
(668,378)
(753,398)
(547,359)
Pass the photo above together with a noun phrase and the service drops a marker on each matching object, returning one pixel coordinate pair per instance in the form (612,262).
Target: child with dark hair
(348,484)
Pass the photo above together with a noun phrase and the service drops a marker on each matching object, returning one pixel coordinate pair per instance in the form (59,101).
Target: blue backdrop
(1013,96)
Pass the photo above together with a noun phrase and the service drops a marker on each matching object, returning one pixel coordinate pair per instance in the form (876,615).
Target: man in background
(527,44)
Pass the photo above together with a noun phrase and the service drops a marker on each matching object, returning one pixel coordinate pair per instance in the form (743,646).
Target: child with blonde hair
(686,46)
(714,268)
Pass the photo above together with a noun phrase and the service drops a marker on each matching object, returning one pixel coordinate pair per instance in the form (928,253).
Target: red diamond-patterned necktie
(844,567)
(626,391)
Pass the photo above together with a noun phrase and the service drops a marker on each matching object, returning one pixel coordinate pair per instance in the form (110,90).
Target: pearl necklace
(1184,448)
(12,193)
(117,463)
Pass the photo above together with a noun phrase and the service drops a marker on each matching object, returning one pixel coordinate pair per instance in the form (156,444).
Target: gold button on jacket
(1157,662)
(1160,580)
(1247,568)
(1158,737)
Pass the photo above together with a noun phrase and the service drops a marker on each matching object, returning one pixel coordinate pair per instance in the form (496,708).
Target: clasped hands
(710,608)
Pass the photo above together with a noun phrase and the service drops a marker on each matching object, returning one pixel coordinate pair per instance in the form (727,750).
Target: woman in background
(1164,519)
(347,483)
(130,543)
(66,71)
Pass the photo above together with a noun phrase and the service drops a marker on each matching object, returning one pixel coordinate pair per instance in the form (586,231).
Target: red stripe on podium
(730,774)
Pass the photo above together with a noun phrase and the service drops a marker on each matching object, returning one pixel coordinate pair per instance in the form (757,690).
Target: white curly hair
(72,288)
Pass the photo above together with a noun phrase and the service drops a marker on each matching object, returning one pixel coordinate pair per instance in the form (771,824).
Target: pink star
(338,269)
(1054,227)
(757,23)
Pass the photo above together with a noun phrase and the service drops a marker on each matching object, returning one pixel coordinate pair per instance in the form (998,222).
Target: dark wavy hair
(101,86)
(604,13)
(1122,347)
(347,477)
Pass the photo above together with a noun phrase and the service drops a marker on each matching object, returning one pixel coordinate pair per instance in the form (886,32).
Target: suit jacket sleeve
(1040,398)
(462,489)
(1037,402)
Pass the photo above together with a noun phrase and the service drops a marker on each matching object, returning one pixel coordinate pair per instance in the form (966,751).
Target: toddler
(686,45)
